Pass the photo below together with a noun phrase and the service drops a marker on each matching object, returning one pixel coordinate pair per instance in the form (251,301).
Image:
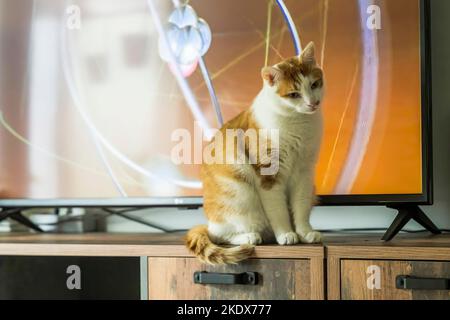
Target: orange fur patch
(290,71)
(210,173)
(198,243)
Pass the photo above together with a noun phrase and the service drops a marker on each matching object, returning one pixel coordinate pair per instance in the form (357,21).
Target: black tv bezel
(426,198)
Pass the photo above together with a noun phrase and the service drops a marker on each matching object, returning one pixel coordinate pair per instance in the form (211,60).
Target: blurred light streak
(367,106)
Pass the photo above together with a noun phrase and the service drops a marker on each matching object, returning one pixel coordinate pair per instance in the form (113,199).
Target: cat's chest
(298,142)
(298,146)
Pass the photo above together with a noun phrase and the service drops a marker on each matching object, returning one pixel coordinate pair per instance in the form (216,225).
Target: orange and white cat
(245,208)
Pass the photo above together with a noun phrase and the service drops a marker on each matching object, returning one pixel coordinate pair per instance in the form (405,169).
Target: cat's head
(297,83)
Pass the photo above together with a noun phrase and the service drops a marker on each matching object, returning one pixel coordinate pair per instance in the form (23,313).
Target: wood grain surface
(287,279)
(354,276)
(99,244)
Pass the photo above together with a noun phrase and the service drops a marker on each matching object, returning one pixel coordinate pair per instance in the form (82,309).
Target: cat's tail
(199,244)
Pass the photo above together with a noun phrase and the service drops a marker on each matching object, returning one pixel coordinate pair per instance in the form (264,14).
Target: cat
(245,208)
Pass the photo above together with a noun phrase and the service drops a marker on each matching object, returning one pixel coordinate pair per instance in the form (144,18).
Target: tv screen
(91,113)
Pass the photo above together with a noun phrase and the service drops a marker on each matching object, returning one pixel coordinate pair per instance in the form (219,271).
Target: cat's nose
(314,104)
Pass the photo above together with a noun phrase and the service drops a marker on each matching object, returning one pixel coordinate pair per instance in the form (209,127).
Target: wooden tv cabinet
(344,267)
(363,268)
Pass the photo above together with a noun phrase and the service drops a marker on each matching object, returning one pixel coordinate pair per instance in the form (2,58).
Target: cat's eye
(294,95)
(316,84)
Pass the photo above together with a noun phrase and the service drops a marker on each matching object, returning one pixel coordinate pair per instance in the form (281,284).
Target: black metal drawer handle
(245,278)
(415,283)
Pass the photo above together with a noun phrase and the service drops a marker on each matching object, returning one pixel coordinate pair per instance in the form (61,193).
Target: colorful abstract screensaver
(96,104)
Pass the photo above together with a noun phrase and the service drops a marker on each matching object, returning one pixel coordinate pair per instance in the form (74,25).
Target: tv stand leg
(16,214)
(405,214)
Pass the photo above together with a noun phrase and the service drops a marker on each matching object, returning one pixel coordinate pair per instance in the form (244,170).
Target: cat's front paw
(311,237)
(251,238)
(288,239)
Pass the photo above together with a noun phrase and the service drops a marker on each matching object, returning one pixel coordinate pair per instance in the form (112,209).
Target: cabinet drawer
(283,279)
(385,280)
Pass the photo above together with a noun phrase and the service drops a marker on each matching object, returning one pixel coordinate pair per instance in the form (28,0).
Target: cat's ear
(271,75)
(308,55)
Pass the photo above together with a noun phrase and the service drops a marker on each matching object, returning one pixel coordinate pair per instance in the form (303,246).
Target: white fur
(300,129)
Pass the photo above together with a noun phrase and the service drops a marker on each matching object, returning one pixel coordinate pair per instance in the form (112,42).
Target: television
(89,107)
